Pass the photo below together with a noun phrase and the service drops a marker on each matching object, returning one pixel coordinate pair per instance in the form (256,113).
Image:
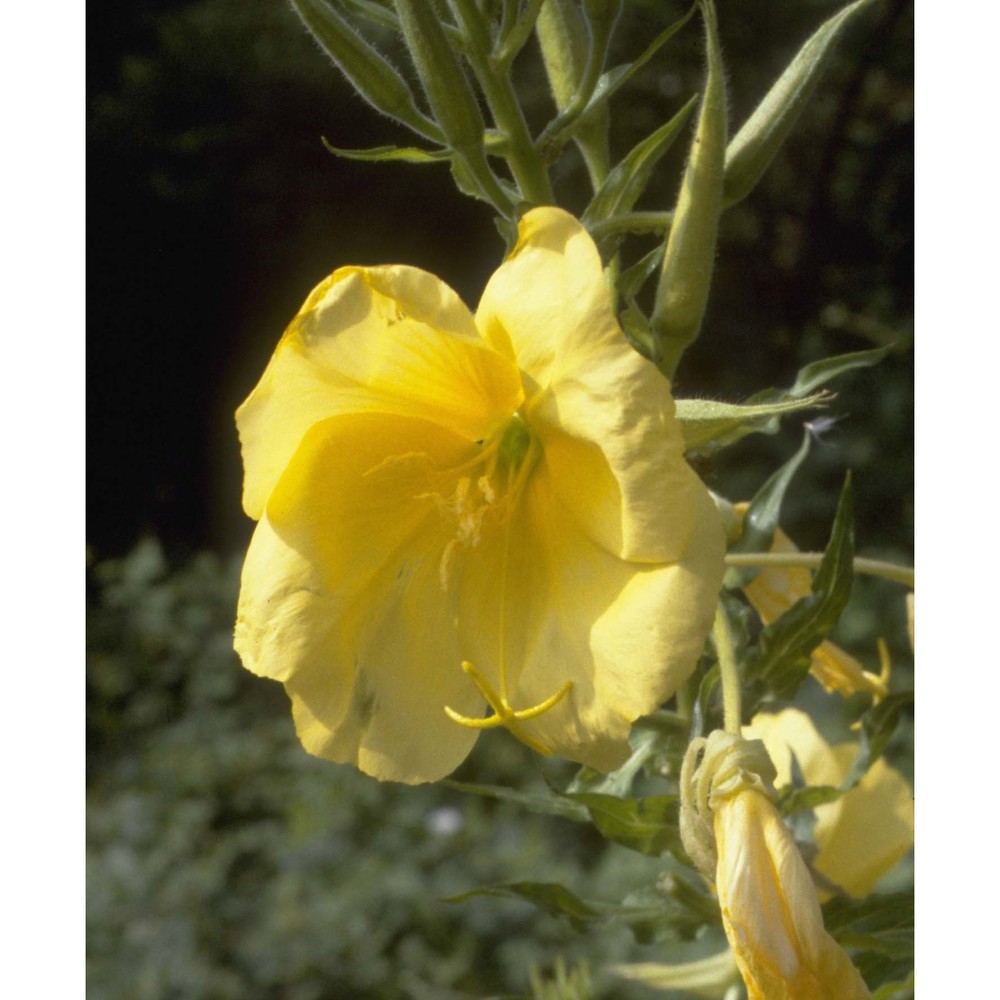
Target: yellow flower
(775,589)
(865,832)
(770,910)
(471,521)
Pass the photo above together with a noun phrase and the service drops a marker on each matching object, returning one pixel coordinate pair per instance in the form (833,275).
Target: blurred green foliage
(223,861)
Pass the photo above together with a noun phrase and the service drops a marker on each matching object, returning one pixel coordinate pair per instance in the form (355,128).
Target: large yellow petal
(865,832)
(548,305)
(394,340)
(555,606)
(349,565)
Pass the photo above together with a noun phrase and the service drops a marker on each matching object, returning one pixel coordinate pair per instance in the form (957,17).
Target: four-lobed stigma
(504,713)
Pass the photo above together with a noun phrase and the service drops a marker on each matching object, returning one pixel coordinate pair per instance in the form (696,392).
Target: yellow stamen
(504,713)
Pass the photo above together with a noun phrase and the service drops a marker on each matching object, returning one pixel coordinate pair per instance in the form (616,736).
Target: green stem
(525,163)
(729,672)
(811,560)
(632,222)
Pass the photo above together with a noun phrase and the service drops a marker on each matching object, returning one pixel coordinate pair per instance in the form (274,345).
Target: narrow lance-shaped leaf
(709,425)
(709,422)
(375,79)
(877,726)
(546,803)
(553,898)
(761,518)
(783,654)
(626,182)
(382,154)
(689,259)
(755,145)
(647,825)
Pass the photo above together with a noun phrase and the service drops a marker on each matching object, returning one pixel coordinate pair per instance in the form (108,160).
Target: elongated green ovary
(518,451)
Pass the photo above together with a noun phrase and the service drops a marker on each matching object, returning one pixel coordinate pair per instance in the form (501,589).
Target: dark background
(213,209)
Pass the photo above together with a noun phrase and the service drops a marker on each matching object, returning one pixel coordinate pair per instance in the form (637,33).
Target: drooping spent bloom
(770,909)
(775,589)
(466,522)
(864,833)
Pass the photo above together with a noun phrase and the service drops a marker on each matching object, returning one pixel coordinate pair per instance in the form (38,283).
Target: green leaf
(627,181)
(757,142)
(783,653)
(761,518)
(708,425)
(647,825)
(553,898)
(547,802)
(879,932)
(818,373)
(663,732)
(762,412)
(877,726)
(631,280)
(380,154)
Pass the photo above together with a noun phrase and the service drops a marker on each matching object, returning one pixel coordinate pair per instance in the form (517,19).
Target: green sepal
(371,75)
(627,181)
(647,825)
(382,154)
(686,275)
(877,726)
(761,517)
(784,649)
(705,437)
(708,425)
(755,145)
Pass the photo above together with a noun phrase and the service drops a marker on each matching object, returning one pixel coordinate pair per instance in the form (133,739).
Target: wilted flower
(865,832)
(775,589)
(770,910)
(467,522)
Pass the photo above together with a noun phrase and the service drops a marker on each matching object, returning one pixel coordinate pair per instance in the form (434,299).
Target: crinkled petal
(367,645)
(548,305)
(565,609)
(867,830)
(770,910)
(394,340)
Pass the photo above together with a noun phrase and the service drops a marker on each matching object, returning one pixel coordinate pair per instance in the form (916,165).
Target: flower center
(508,459)
(488,485)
